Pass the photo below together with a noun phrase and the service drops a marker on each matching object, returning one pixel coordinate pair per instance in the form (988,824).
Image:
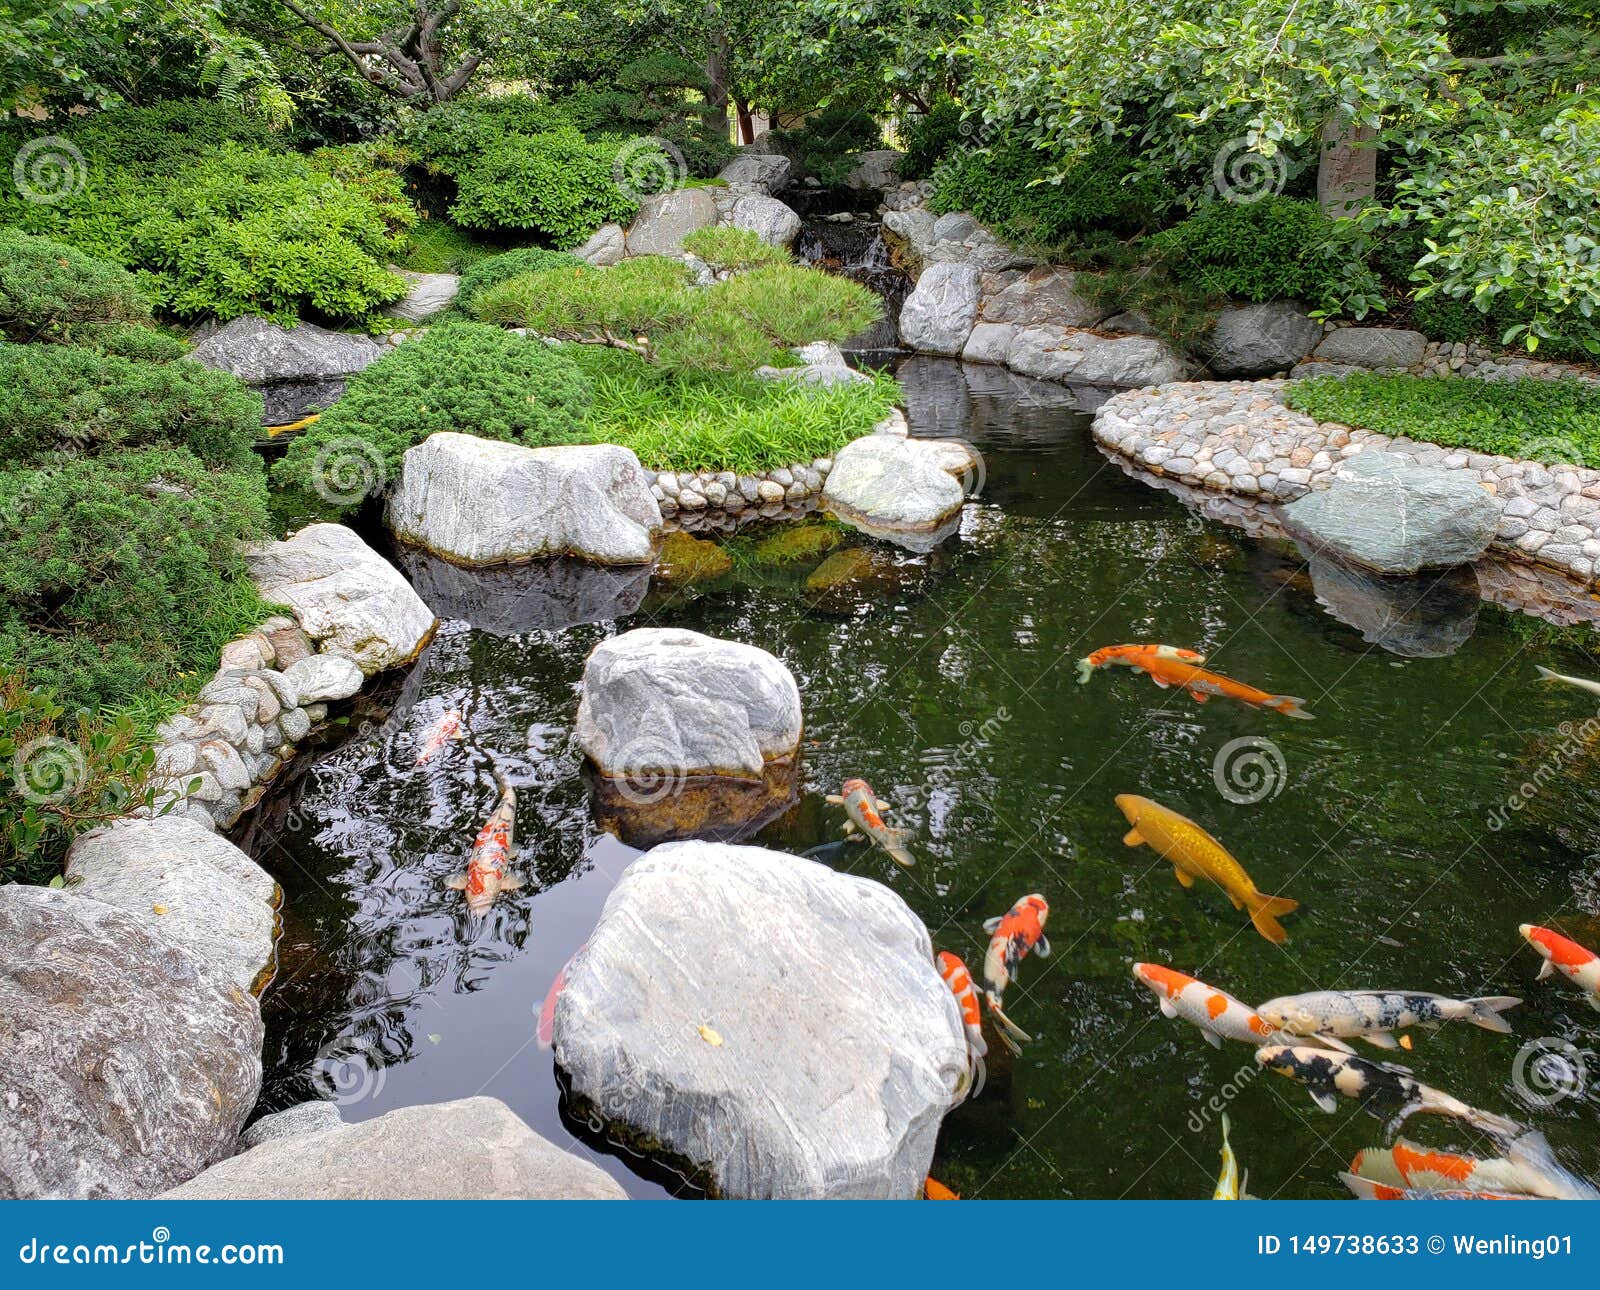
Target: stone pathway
(1239,437)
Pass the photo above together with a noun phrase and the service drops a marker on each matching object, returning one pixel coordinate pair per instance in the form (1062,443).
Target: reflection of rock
(542,595)
(686,559)
(796,543)
(1386,513)
(687,735)
(773,1025)
(472,1149)
(126,1064)
(861,577)
(1428,617)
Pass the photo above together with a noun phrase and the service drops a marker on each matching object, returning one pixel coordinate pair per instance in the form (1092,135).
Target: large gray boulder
(427,294)
(1086,358)
(126,1064)
(261,352)
(775,223)
(665,219)
(481,502)
(938,315)
(890,483)
(1258,340)
(186,885)
(777,1025)
(1386,513)
(659,700)
(1372,347)
(346,596)
(606,246)
(1043,297)
(767,171)
(472,1149)
(879,168)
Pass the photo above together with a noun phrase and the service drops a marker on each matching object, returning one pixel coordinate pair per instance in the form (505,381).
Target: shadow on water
(948,680)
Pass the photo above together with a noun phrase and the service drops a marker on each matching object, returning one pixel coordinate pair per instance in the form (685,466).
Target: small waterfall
(856,250)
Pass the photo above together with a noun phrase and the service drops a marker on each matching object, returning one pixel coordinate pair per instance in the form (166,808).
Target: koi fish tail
(1010,1033)
(1264,912)
(1290,706)
(895,849)
(1086,670)
(1435,1102)
(979,1074)
(1486,1012)
(1545,674)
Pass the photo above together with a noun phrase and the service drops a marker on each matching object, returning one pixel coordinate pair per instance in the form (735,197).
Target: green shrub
(495,269)
(129,340)
(649,306)
(75,773)
(1549,420)
(1447,318)
(457,376)
(47,289)
(1006,187)
(436,246)
(1273,249)
(931,136)
(237,232)
(62,398)
(165,135)
(558,184)
(445,138)
(822,144)
(123,573)
(734,250)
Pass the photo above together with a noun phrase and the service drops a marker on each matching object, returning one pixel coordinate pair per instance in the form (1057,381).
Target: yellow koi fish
(1194,853)
(1230,1185)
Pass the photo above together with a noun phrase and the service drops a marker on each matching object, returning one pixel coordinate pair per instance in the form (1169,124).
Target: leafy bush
(457,376)
(1554,420)
(649,306)
(1273,249)
(236,232)
(437,246)
(165,135)
(74,774)
(496,269)
(47,289)
(62,398)
(734,250)
(122,573)
(557,184)
(129,340)
(930,137)
(822,144)
(445,138)
(1005,188)
(666,95)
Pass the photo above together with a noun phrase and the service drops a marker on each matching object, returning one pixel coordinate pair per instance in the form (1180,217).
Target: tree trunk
(1347,170)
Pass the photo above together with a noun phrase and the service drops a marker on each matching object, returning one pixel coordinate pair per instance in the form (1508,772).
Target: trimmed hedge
(48,289)
(557,184)
(494,270)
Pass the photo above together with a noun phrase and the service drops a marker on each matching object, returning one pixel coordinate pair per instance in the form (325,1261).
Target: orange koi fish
(1579,965)
(440,733)
(547,1013)
(486,875)
(1171,666)
(933,1189)
(1366,1189)
(1194,853)
(955,975)
(1010,939)
(865,824)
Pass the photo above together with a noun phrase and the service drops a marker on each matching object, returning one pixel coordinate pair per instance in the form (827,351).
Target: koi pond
(949,681)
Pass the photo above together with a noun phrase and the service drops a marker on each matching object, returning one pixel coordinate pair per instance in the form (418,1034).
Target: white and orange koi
(486,875)
(1216,1012)
(447,728)
(1527,1171)
(1365,1189)
(866,824)
(1011,937)
(955,975)
(1578,965)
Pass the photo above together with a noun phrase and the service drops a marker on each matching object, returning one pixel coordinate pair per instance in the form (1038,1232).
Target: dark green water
(948,681)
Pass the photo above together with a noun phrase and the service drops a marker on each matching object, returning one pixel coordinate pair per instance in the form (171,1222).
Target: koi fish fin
(1381,1039)
(456,882)
(1184,879)
(1160,684)
(1237,903)
(1486,1012)
(1041,947)
(1545,969)
(1264,911)
(1290,706)
(882,805)
(1244,1186)
(1545,674)
(853,836)
(833,799)
(991,925)
(1594,1002)
(1085,671)
(980,1075)
(899,855)
(1361,1188)
(849,828)
(976,1043)
(1133,838)
(1168,1008)
(1328,1041)
(511,882)
(1327,1101)
(1199,696)
(1008,1028)
(1212,1038)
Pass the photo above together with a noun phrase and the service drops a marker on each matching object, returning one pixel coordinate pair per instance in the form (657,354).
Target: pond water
(948,681)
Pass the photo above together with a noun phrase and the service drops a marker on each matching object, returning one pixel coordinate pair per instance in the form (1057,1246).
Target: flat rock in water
(483,502)
(777,1026)
(471,1149)
(1386,513)
(188,886)
(261,352)
(127,1065)
(347,597)
(893,484)
(938,315)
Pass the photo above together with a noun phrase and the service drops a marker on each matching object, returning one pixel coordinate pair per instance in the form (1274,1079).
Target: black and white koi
(1372,1014)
